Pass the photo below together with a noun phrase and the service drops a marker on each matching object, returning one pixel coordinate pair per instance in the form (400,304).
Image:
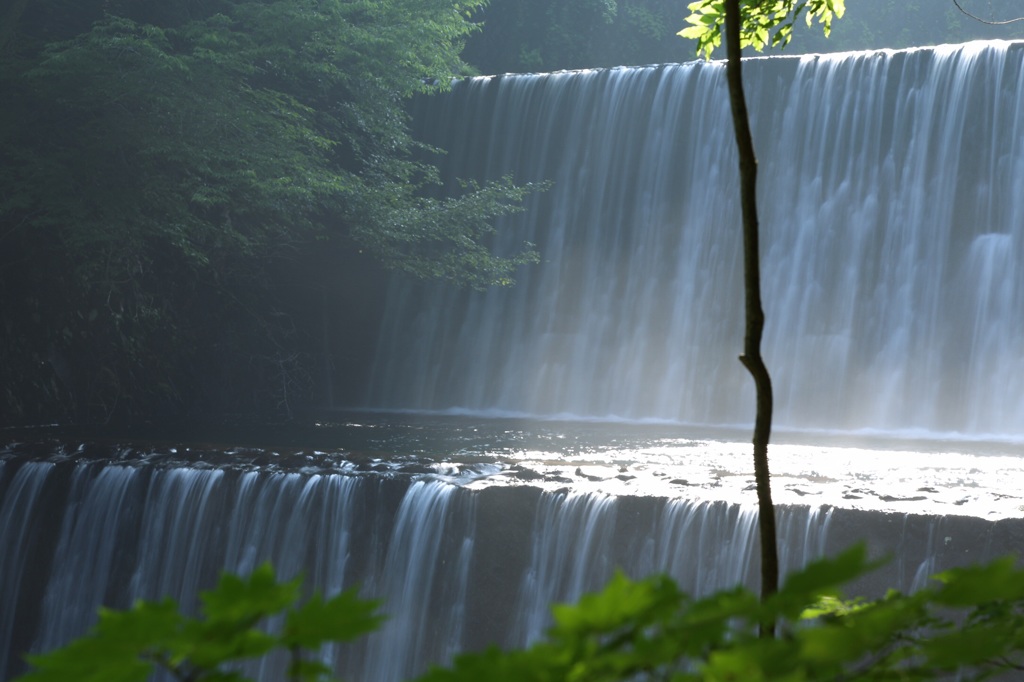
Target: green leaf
(622,601)
(209,645)
(968,646)
(300,669)
(117,649)
(692,32)
(245,600)
(826,575)
(1000,579)
(339,619)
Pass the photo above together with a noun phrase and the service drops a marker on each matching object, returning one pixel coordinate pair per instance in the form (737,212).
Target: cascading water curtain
(80,536)
(454,567)
(19,521)
(704,545)
(892,234)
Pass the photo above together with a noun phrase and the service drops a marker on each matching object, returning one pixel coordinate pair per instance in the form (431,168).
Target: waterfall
(894,287)
(570,543)
(457,569)
(18,526)
(892,246)
(425,579)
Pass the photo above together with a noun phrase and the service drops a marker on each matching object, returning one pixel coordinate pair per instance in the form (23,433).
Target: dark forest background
(201,203)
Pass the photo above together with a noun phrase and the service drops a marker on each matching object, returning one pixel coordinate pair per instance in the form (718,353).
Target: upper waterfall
(892,217)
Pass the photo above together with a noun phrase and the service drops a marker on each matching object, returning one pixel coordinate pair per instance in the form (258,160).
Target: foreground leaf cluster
(130,645)
(764,23)
(969,623)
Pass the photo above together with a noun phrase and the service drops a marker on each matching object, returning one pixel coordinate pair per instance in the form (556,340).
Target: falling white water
(303,525)
(893,246)
(802,534)
(93,525)
(455,567)
(18,515)
(425,589)
(180,535)
(704,545)
(571,543)
(127,533)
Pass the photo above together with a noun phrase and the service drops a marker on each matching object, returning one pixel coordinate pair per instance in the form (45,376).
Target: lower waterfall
(457,568)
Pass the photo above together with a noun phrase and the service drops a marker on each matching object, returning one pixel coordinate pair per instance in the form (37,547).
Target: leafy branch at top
(764,23)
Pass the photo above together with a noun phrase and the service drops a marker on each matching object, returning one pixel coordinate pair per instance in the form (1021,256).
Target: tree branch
(990,23)
(751,357)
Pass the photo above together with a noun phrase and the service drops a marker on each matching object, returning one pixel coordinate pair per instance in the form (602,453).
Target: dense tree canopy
(158,160)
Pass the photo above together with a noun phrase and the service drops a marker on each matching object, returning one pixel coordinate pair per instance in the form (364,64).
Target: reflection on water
(871,471)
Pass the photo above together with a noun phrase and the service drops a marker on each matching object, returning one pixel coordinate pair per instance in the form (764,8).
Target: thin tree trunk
(751,357)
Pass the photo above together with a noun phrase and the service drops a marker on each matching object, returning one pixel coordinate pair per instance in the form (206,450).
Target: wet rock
(892,498)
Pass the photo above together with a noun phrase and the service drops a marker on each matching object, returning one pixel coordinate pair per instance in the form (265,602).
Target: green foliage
(969,622)
(128,646)
(867,24)
(244,131)
(873,24)
(763,23)
(160,163)
(443,239)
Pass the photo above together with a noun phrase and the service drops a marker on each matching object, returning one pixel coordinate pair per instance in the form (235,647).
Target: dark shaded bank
(191,194)
(325,305)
